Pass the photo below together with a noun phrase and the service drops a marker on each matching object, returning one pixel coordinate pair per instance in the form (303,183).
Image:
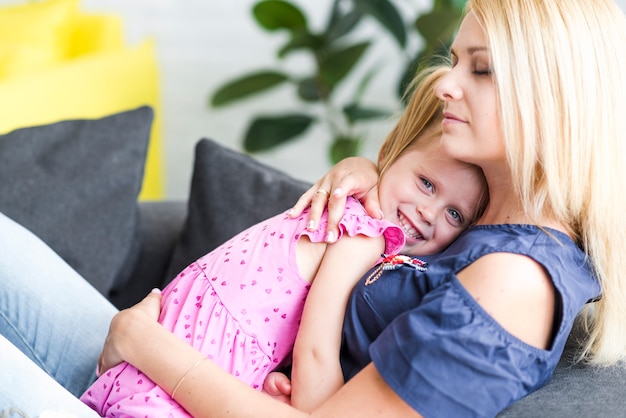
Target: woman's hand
(353,176)
(278,386)
(112,352)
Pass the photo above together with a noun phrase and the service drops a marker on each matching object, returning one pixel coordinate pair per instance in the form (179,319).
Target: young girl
(242,304)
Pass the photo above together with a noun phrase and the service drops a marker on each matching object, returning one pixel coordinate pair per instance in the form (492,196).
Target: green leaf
(342,23)
(338,63)
(438,25)
(388,16)
(302,40)
(365,81)
(343,147)
(277,14)
(407,76)
(309,90)
(269,131)
(355,113)
(246,86)
(459,5)
(435,54)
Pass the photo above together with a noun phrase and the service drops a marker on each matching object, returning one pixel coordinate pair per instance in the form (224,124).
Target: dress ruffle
(356,221)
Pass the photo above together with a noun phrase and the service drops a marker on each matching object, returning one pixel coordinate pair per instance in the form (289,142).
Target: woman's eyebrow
(473,49)
(470,50)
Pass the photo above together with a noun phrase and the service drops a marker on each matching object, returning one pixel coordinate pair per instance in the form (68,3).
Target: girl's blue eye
(456,215)
(427,184)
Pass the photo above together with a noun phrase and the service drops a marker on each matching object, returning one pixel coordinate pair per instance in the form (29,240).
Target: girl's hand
(112,352)
(353,176)
(278,386)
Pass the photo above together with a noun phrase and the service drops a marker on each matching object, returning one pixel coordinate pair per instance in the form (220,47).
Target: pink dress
(240,305)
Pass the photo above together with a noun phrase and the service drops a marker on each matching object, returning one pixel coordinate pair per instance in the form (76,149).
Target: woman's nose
(447,88)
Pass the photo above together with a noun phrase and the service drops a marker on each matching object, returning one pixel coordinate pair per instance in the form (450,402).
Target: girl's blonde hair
(559,68)
(423,111)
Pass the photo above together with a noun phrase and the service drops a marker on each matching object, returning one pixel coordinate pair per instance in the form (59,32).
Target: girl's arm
(316,372)
(353,176)
(209,391)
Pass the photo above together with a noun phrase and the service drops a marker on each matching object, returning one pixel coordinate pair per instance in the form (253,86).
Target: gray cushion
(160,223)
(229,192)
(576,390)
(75,184)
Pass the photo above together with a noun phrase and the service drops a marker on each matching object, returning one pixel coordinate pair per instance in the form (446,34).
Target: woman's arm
(316,371)
(354,176)
(209,391)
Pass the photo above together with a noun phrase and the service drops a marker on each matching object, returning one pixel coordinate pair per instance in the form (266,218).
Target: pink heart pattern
(239,305)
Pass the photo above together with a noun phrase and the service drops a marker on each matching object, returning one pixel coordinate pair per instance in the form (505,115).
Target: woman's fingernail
(310,225)
(156,290)
(290,212)
(380,212)
(330,237)
(338,192)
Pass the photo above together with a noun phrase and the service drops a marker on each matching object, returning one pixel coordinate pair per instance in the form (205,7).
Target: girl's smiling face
(431,196)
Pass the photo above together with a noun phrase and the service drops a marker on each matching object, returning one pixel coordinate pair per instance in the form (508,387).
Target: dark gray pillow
(75,184)
(576,389)
(230,191)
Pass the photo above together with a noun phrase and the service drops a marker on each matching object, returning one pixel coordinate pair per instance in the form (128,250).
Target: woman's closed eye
(481,65)
(481,71)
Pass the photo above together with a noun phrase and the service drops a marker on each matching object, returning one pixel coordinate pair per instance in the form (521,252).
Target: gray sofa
(82,200)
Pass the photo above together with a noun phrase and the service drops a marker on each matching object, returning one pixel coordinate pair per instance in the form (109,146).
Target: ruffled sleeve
(356,221)
(449,358)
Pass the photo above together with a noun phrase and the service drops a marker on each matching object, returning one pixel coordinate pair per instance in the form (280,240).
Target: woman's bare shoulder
(516,291)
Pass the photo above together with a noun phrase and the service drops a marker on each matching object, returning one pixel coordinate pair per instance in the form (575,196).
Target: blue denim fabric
(53,316)
(28,389)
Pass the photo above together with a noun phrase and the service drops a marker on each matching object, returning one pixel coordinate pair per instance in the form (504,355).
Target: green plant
(335,54)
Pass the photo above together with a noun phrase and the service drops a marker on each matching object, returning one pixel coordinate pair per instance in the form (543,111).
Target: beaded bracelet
(185,375)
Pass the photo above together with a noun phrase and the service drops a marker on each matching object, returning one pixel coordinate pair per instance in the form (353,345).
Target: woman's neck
(505,207)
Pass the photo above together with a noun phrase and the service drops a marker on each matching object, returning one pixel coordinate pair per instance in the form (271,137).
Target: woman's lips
(451,118)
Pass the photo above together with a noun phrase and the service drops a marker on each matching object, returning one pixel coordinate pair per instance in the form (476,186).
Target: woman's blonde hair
(560,71)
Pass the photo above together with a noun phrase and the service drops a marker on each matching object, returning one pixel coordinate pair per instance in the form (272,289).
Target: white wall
(203,43)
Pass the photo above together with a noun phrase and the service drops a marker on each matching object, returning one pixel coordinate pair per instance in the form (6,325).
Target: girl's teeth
(408,228)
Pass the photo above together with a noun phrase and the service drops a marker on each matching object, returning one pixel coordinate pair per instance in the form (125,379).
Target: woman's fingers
(354,176)
(111,355)
(303,201)
(372,204)
(316,197)
(151,304)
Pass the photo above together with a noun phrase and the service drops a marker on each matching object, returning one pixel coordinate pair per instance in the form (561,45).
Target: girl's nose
(427,213)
